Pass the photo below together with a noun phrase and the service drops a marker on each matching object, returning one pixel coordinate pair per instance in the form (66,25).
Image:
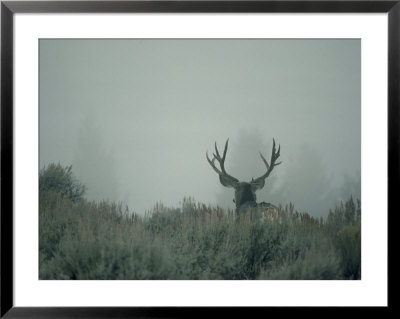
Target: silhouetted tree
(94,163)
(305,182)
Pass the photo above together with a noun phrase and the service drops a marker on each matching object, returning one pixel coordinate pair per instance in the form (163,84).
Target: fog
(136,117)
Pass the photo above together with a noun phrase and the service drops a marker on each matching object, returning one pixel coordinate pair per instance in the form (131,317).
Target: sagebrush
(81,239)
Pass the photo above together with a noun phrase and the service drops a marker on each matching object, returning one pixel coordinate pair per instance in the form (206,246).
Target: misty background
(135,118)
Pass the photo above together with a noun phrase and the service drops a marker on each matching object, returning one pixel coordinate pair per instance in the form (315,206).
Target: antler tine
(225,149)
(217,153)
(221,161)
(264,160)
(212,164)
(274,157)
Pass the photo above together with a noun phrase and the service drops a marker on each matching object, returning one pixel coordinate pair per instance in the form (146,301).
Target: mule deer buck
(245,193)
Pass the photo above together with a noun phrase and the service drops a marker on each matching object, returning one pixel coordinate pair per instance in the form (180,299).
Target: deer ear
(257,184)
(227,182)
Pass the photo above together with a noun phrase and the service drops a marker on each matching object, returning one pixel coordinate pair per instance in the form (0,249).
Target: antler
(274,157)
(225,178)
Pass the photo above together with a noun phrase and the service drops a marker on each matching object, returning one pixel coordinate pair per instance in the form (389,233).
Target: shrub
(344,227)
(60,180)
(348,243)
(313,263)
(79,239)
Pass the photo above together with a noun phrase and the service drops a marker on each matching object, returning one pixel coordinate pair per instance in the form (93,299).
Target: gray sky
(135,117)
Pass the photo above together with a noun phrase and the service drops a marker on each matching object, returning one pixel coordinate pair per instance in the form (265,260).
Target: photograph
(199,159)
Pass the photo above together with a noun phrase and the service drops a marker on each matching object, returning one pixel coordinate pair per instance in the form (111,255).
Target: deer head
(245,193)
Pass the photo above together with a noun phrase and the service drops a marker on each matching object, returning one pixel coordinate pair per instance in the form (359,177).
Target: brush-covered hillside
(80,239)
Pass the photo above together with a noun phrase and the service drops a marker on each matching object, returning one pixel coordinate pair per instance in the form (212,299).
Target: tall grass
(80,239)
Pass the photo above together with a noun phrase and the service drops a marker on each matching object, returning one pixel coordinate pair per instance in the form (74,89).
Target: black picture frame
(9,8)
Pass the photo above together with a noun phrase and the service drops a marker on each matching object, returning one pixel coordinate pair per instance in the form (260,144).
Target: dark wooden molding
(9,8)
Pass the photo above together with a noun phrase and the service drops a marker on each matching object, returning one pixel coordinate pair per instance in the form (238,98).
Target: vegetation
(80,239)
(60,181)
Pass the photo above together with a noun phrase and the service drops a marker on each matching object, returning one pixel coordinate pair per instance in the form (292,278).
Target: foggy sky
(136,117)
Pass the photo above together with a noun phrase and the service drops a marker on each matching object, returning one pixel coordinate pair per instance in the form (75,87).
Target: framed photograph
(161,158)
